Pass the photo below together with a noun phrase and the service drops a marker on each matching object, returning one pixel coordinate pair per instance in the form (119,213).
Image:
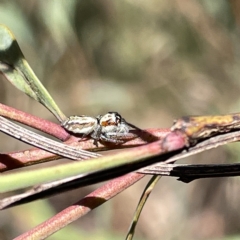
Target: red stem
(81,208)
(35,122)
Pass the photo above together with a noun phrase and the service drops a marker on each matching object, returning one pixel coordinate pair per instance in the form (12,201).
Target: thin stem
(189,172)
(146,193)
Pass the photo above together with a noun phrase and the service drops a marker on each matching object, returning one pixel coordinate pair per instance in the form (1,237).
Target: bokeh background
(152,61)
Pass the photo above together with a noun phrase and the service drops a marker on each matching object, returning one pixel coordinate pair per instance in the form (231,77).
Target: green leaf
(17,70)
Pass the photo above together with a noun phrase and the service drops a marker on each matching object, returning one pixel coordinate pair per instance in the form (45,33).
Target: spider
(110,127)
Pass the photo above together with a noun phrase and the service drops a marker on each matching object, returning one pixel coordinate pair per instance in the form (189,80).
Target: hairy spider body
(110,127)
(80,124)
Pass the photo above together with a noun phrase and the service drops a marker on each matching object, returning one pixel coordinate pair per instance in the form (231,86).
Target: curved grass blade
(146,193)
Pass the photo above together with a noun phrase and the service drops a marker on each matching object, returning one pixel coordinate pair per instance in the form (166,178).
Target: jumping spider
(110,127)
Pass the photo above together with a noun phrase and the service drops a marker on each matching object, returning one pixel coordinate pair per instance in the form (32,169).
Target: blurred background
(152,61)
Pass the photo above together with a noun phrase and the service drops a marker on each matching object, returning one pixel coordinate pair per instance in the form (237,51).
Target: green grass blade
(14,181)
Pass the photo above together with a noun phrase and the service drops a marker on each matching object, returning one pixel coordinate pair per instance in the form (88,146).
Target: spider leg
(112,137)
(96,135)
(82,136)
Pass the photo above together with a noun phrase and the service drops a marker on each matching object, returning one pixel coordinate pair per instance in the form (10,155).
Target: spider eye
(119,118)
